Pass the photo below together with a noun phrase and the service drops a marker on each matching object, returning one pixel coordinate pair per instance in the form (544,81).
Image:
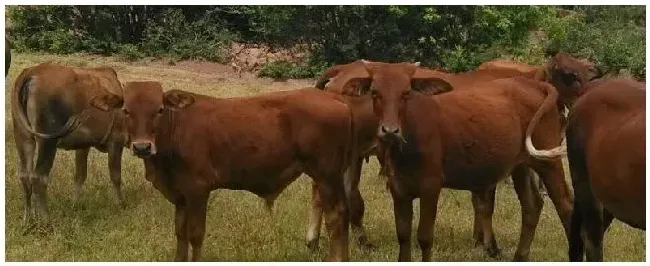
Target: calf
(52,98)
(193,144)
(467,139)
(606,148)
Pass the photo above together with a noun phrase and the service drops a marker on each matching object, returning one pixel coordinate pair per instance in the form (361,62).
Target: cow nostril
(142,147)
(383,129)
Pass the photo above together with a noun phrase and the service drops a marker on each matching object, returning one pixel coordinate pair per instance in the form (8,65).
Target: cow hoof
(478,242)
(28,227)
(493,251)
(367,246)
(520,258)
(312,245)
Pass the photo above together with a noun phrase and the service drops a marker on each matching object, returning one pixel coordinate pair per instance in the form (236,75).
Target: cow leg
(81,170)
(485,212)
(589,220)
(336,213)
(196,214)
(355,202)
(403,211)
(552,174)
(531,208)
(540,186)
(593,228)
(45,153)
(115,171)
(26,149)
(429,196)
(180,221)
(607,220)
(315,219)
(478,227)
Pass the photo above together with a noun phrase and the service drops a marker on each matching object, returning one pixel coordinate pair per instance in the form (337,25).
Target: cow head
(569,75)
(143,104)
(336,78)
(391,86)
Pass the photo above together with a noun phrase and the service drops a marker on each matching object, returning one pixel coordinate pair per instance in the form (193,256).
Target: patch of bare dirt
(251,57)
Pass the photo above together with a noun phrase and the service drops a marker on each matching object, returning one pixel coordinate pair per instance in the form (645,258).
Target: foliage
(286,70)
(458,38)
(172,34)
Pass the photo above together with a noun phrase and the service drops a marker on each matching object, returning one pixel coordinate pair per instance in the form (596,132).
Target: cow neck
(109,130)
(165,135)
(364,115)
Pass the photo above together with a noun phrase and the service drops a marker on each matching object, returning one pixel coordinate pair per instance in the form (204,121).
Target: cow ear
(594,72)
(357,86)
(430,85)
(106,102)
(177,99)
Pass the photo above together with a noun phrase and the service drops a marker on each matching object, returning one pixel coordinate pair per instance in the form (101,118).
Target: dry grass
(238,227)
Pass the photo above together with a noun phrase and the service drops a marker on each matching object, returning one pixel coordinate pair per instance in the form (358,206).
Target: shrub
(130,52)
(171,34)
(284,70)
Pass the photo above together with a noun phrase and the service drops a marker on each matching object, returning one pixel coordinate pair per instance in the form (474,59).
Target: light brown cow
(48,107)
(193,144)
(606,148)
(467,139)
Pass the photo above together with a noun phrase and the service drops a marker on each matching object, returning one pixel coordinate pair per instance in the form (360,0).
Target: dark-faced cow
(469,140)
(49,111)
(193,144)
(606,149)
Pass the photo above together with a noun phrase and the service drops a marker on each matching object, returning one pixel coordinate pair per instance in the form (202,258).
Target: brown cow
(566,73)
(606,149)
(52,98)
(468,139)
(193,144)
(336,78)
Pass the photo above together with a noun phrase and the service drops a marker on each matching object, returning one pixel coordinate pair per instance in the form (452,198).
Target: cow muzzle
(143,149)
(390,134)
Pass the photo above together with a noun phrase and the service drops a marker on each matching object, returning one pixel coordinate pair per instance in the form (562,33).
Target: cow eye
(374,94)
(126,111)
(406,95)
(160,110)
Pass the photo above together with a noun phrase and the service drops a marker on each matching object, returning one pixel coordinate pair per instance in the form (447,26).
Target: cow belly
(475,177)
(264,182)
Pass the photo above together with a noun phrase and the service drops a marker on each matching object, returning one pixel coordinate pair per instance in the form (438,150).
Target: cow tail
(549,103)
(576,245)
(20,97)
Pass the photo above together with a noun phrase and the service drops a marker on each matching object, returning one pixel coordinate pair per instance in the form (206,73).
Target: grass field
(238,226)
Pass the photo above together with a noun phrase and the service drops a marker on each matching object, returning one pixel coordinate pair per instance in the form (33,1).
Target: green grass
(238,226)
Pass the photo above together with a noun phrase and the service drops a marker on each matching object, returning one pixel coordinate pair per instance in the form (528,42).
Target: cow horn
(417,64)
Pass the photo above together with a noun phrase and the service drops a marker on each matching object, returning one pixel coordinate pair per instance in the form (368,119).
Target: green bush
(130,52)
(458,38)
(285,70)
(173,35)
